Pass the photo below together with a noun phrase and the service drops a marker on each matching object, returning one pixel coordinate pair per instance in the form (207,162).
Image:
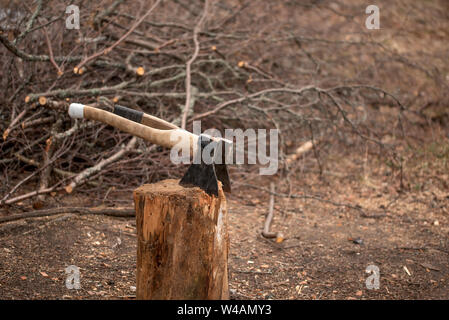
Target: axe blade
(220,164)
(205,175)
(201,175)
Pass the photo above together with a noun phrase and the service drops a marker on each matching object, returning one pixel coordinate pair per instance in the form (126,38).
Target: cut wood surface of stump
(183,242)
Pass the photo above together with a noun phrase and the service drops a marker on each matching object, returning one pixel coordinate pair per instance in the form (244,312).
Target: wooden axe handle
(166,138)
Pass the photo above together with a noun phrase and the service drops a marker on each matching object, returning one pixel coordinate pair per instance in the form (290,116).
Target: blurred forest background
(355,107)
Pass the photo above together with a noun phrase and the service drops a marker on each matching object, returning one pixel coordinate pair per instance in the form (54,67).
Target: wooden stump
(183,242)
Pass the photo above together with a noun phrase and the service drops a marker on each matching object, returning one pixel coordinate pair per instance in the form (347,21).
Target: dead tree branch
(115,44)
(197,29)
(82,176)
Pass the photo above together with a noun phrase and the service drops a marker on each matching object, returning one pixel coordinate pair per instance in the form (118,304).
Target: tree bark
(183,242)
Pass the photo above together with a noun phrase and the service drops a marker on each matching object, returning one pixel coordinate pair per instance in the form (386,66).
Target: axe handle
(166,138)
(143,118)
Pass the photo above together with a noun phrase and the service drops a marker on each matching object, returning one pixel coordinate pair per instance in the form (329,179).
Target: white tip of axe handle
(76,110)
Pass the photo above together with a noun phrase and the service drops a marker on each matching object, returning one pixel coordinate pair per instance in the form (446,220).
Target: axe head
(209,167)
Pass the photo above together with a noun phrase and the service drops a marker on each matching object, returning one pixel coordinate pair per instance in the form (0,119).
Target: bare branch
(115,44)
(197,29)
(82,176)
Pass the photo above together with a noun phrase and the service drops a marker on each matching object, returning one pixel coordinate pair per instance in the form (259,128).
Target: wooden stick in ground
(183,242)
(266,228)
(115,212)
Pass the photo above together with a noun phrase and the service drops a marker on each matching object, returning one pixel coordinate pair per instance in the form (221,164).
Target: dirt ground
(326,250)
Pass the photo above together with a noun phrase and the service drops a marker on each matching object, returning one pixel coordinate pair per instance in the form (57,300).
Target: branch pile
(234,64)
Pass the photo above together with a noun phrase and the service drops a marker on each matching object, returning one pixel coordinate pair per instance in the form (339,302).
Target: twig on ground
(29,194)
(114,212)
(337,204)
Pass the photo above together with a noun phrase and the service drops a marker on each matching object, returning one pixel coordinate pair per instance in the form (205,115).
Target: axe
(204,174)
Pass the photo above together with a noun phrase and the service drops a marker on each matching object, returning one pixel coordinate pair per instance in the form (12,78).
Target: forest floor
(325,253)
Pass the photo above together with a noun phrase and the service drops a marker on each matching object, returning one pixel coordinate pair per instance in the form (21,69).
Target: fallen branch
(189,65)
(106,12)
(305,196)
(68,93)
(34,163)
(28,195)
(30,22)
(254,95)
(114,212)
(45,58)
(50,54)
(83,175)
(13,122)
(304,148)
(40,121)
(115,44)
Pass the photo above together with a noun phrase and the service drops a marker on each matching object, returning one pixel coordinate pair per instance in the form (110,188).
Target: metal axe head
(209,162)
(209,167)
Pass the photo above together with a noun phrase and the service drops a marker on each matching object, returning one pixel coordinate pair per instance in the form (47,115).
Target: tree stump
(183,242)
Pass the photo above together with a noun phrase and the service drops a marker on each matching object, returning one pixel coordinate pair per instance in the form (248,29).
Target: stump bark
(183,242)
